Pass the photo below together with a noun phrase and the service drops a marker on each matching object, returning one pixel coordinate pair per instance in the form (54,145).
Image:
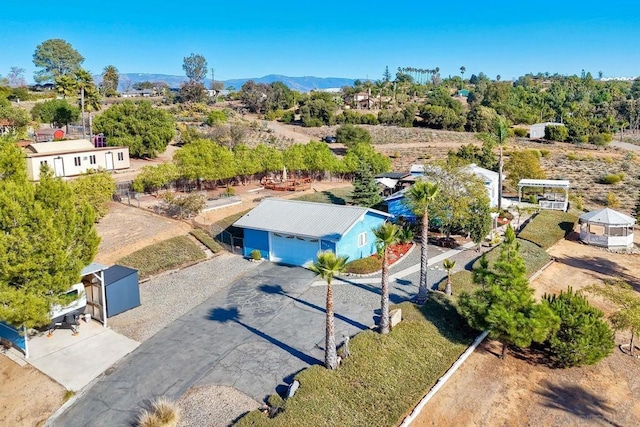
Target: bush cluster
(365,265)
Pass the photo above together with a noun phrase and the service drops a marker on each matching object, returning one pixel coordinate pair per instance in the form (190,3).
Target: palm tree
(386,235)
(328,265)
(448,265)
(501,135)
(419,197)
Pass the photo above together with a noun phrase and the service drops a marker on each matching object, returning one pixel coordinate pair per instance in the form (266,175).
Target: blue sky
(332,39)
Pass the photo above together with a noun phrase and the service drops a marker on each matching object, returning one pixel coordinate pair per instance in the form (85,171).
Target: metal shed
(122,291)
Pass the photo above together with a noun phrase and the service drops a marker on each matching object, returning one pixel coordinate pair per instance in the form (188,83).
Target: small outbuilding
(607,228)
(122,290)
(293,232)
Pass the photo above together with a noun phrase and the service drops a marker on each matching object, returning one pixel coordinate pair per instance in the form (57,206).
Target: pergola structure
(551,200)
(607,228)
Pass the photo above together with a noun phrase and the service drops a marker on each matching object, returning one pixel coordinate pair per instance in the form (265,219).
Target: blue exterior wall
(256,239)
(122,291)
(10,333)
(399,208)
(348,244)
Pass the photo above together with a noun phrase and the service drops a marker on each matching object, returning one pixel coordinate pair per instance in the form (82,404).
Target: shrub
(163,413)
(216,117)
(406,235)
(556,133)
(611,179)
(288,117)
(583,338)
(572,157)
(548,227)
(520,132)
(163,256)
(612,200)
(206,240)
(544,153)
(256,255)
(365,265)
(350,135)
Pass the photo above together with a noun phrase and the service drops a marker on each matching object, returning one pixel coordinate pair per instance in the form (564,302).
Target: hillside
(301,84)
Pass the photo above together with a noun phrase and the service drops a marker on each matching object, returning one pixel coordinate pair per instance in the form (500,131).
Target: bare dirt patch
(486,391)
(126,229)
(27,396)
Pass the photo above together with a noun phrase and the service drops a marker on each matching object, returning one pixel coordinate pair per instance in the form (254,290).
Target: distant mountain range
(301,84)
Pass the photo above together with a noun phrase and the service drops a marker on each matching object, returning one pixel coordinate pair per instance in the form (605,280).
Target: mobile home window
(43,162)
(76,161)
(120,156)
(362,239)
(92,159)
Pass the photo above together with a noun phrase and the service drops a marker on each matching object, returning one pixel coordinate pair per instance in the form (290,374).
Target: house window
(43,162)
(362,239)
(76,161)
(92,159)
(120,157)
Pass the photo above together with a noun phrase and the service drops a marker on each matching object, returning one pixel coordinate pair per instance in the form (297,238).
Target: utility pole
(84,132)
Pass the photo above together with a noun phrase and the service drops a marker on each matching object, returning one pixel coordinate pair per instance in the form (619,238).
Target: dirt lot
(27,396)
(486,391)
(126,229)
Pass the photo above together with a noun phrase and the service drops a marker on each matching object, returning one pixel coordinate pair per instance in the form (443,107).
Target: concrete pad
(74,361)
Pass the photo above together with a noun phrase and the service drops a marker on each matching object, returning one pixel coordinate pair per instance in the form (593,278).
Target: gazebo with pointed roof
(607,228)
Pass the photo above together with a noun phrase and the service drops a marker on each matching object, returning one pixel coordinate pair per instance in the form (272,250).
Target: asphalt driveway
(252,335)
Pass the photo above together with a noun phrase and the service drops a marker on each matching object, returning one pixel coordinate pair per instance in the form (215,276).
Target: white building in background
(71,158)
(537,130)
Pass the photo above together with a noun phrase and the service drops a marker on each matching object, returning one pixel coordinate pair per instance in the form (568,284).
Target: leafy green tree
(95,188)
(144,129)
(523,164)
(46,237)
(294,158)
(270,158)
(419,197)
(205,160)
(55,57)
(153,178)
(318,112)
(462,202)
(386,234)
(627,302)
(17,117)
(506,307)
(351,135)
(365,190)
(195,67)
(448,265)
(191,92)
(56,112)
(246,162)
(186,205)
(365,153)
(328,266)
(110,80)
(319,159)
(583,338)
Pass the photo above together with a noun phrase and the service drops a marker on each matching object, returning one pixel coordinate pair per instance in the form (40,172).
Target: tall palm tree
(448,265)
(328,265)
(386,235)
(501,134)
(419,196)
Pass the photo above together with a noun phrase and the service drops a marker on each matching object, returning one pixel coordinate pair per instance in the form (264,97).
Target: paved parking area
(252,335)
(74,361)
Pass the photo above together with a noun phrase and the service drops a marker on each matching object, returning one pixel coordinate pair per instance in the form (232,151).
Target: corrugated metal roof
(61,146)
(607,216)
(300,218)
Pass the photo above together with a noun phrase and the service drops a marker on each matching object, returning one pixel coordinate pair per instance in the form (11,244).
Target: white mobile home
(71,158)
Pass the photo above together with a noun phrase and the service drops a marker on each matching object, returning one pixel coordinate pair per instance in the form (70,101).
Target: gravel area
(167,297)
(213,406)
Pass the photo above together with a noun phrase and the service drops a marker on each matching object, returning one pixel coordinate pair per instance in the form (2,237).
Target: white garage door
(293,250)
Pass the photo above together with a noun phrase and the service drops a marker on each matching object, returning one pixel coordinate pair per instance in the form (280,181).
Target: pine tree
(636,209)
(583,338)
(365,190)
(506,307)
(46,237)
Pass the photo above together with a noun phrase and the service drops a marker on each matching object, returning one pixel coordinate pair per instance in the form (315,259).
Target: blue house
(293,232)
(397,206)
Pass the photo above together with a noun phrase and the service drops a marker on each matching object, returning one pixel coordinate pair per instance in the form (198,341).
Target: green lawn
(163,256)
(206,240)
(534,256)
(548,228)
(384,377)
(337,196)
